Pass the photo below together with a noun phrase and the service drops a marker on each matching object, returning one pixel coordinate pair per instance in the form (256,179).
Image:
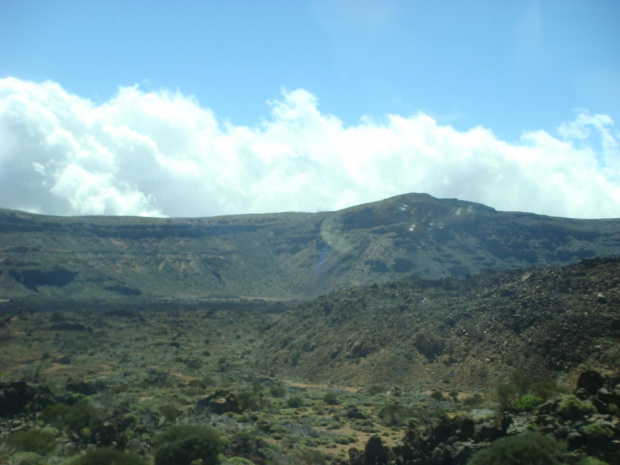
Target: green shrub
(27,458)
(76,417)
(518,385)
(170,412)
(528,402)
(237,461)
(107,456)
(183,444)
(572,407)
(548,389)
(437,395)
(34,440)
(277,391)
(507,395)
(523,449)
(295,402)
(597,431)
(331,398)
(375,389)
(249,400)
(394,414)
(592,461)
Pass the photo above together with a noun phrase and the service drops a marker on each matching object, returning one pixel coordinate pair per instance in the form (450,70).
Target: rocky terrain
(289,256)
(407,373)
(456,333)
(405,332)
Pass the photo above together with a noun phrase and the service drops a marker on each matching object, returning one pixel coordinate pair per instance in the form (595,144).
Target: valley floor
(130,373)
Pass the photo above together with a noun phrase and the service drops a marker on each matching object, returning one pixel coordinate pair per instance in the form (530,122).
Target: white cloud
(161,153)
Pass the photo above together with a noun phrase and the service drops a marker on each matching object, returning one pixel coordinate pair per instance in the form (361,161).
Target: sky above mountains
(211,108)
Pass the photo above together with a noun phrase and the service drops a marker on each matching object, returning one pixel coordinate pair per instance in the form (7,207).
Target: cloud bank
(159,153)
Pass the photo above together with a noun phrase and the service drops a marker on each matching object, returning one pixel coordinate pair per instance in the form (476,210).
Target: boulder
(591,381)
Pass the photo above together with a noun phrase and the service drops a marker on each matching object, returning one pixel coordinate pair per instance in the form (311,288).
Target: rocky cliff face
(281,256)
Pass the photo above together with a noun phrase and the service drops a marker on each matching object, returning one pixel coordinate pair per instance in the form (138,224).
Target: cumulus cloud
(161,153)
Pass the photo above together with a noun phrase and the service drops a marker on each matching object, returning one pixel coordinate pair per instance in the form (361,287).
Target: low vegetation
(187,385)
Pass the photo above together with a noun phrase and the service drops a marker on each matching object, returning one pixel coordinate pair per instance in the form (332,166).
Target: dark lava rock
(375,453)
(248,447)
(354,413)
(219,403)
(356,456)
(18,396)
(85,387)
(591,381)
(13,398)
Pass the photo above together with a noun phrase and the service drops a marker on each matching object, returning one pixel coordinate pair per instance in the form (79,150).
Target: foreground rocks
(18,396)
(588,428)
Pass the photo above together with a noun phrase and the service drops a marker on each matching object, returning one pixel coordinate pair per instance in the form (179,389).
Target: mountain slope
(453,332)
(281,256)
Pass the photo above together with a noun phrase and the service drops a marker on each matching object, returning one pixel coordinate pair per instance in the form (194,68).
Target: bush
(331,398)
(592,461)
(76,417)
(249,400)
(181,445)
(528,402)
(598,431)
(277,391)
(170,412)
(34,440)
(524,449)
(437,395)
(394,414)
(572,407)
(548,389)
(375,389)
(107,456)
(295,402)
(506,395)
(27,458)
(517,385)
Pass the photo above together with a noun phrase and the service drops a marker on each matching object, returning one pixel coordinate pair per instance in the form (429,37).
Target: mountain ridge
(287,256)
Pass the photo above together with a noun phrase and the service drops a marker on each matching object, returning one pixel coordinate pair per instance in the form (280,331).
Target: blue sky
(514,69)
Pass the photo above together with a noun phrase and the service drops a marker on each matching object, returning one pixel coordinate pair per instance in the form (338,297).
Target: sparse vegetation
(135,380)
(33,440)
(107,456)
